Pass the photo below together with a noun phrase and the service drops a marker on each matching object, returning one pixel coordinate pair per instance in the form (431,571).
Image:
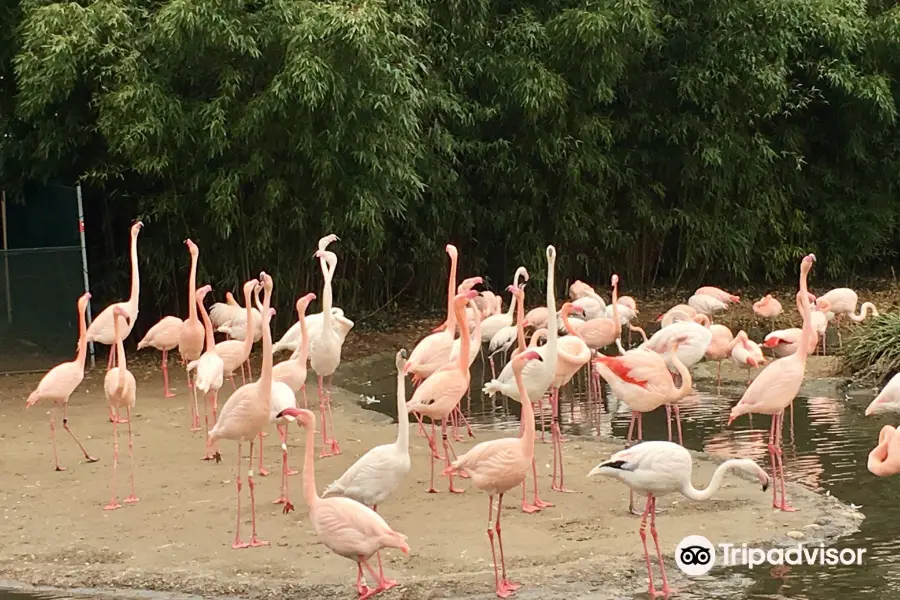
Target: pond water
(826,451)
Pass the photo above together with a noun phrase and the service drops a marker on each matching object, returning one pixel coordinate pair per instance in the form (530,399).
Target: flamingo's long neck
(520,324)
(207,325)
(402,414)
(120,353)
(464,341)
(304,336)
(528,433)
(512,303)
(265,376)
(807,331)
(135,279)
(309,472)
(552,325)
(615,305)
(248,333)
(328,273)
(192,287)
(689,491)
(686,382)
(451,292)
(82,337)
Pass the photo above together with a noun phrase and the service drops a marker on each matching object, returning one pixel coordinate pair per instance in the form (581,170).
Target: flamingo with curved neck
(190,343)
(433,351)
(325,354)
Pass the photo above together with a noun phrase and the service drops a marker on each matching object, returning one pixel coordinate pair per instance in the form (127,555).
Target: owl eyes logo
(695,555)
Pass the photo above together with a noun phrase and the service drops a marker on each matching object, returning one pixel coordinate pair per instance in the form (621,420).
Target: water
(827,453)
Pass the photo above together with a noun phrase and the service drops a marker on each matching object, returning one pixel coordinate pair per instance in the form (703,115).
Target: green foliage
(662,139)
(871,351)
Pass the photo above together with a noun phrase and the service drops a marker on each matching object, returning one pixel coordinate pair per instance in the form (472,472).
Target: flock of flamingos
(655,374)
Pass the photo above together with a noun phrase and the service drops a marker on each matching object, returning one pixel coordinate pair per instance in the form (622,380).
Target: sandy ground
(178,537)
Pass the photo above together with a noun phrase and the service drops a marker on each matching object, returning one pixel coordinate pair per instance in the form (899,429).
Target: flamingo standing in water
(59,383)
(347,527)
(656,469)
(101,329)
(884,459)
(190,342)
(245,415)
(497,466)
(163,336)
(721,344)
(438,395)
(777,385)
(380,471)
(121,392)
(236,352)
(208,370)
(325,353)
(492,325)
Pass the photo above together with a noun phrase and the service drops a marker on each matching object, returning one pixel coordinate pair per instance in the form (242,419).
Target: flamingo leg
(335,449)
(540,404)
(558,450)
(678,422)
(447,450)
(634,415)
(262,470)
(454,424)
(254,541)
(361,588)
(114,503)
(718,374)
(283,499)
(640,438)
(651,590)
(233,384)
(238,544)
(490,533)
(669,420)
(466,421)
(290,471)
(57,466)
(249,370)
(666,590)
(780,454)
(381,583)
(385,583)
(132,498)
(505,584)
(431,489)
(432,440)
(303,393)
(772,459)
(87,457)
(167,393)
(195,416)
(206,402)
(326,443)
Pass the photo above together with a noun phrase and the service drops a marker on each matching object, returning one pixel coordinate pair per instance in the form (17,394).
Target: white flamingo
(209,369)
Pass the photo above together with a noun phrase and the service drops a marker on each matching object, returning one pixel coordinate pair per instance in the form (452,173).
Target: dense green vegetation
(677,140)
(871,352)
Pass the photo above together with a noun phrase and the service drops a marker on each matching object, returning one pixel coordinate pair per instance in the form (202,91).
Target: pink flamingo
(190,342)
(347,527)
(777,385)
(884,459)
(101,329)
(679,312)
(493,325)
(717,293)
(642,380)
(887,400)
(245,415)
(747,353)
(438,395)
(380,471)
(572,354)
(283,397)
(325,353)
(433,351)
(121,392)
(236,329)
(163,336)
(660,468)
(842,301)
(466,285)
(720,347)
(236,352)
(208,370)
(59,383)
(221,313)
(497,466)
(768,308)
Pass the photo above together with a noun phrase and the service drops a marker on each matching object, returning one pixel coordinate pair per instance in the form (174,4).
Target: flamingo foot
(561,488)
(89,459)
(335,449)
(263,472)
(256,542)
(293,472)
(785,507)
(463,475)
(503,592)
(288,507)
(454,490)
(541,504)
(239,545)
(431,490)
(131,499)
(208,457)
(665,592)
(195,428)
(326,452)
(281,500)
(368,593)
(113,505)
(458,438)
(61,468)
(530,509)
(168,395)
(388,584)
(510,585)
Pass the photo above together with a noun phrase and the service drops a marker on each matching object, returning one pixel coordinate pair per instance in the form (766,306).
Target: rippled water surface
(827,452)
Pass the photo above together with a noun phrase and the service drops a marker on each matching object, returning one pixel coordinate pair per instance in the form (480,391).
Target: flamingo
(121,392)
(768,307)
(573,353)
(884,459)
(190,342)
(283,398)
(347,527)
(888,399)
(246,414)
(719,294)
(691,350)
(438,395)
(236,326)
(785,342)
(474,349)
(380,471)
(721,345)
(292,337)
(325,352)
(221,313)
(679,312)
(819,315)
(59,383)
(660,468)
(497,466)
(842,301)
(747,353)
(777,385)
(235,352)
(102,327)
(494,323)
(706,305)
(433,351)
(208,369)
(163,336)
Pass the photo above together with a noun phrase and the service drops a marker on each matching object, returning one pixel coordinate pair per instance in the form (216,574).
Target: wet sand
(178,537)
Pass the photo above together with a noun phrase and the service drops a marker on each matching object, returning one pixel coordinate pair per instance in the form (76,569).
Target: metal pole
(84,263)
(6,259)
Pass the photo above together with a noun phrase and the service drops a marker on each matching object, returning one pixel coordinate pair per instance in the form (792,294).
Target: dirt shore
(178,537)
